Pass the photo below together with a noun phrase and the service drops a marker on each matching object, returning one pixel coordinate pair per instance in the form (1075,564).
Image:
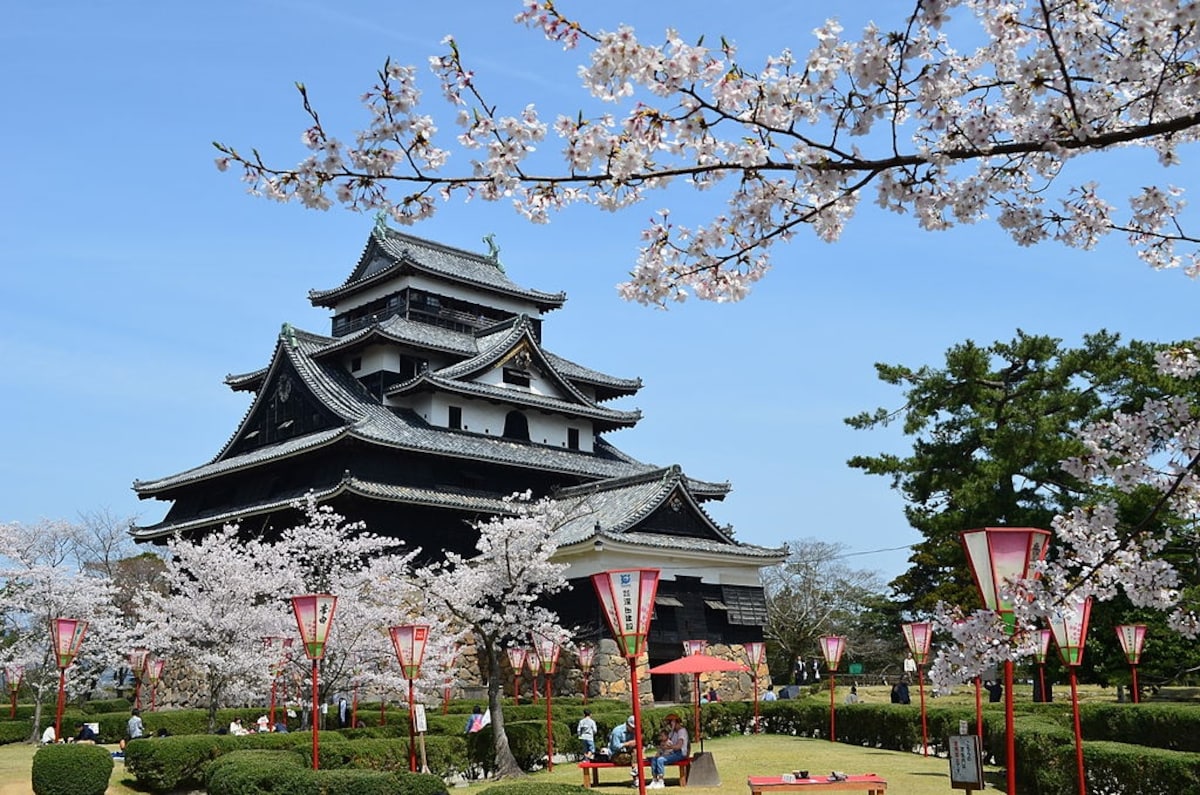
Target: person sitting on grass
(84,734)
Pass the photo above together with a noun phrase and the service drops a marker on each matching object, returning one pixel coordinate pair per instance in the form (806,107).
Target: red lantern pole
(13,674)
(449,680)
(67,636)
(627,597)
(1000,557)
(534,664)
(1070,625)
(587,655)
(354,705)
(691,647)
(548,650)
(832,647)
(1039,656)
(1132,636)
(314,617)
(137,665)
(154,669)
(979,706)
(516,659)
(755,651)
(409,642)
(918,635)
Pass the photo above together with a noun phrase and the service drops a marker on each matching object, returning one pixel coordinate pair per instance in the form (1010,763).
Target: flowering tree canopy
(498,594)
(923,115)
(43,578)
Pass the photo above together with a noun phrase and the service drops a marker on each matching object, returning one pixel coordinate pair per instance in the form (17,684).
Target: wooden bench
(595,768)
(765,785)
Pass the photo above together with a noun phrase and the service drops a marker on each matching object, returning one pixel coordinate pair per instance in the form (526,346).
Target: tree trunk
(506,763)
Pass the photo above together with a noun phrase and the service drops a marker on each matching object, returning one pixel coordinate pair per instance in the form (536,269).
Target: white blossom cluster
(950,134)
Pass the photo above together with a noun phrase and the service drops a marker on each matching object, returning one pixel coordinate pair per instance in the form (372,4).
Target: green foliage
(254,772)
(259,772)
(108,705)
(1173,727)
(1124,769)
(162,764)
(71,770)
(15,731)
(990,429)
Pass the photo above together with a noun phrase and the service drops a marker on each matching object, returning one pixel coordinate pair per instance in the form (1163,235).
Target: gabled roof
(615,509)
(389,254)
(366,420)
(459,378)
(401,331)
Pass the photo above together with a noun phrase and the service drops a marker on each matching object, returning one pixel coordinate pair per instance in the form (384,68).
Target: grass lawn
(736,758)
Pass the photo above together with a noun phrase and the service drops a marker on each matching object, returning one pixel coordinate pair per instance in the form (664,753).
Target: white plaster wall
(488,418)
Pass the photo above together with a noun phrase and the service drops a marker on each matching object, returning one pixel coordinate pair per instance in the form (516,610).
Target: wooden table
(765,785)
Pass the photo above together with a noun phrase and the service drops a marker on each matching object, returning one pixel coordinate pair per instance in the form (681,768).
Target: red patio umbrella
(697,664)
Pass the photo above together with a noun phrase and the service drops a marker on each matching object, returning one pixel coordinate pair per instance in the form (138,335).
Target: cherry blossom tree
(220,603)
(499,595)
(43,580)
(370,576)
(923,115)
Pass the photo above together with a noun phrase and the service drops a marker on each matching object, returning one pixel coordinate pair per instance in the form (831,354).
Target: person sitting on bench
(673,750)
(623,740)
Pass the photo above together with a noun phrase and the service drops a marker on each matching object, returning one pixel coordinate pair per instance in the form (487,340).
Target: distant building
(434,397)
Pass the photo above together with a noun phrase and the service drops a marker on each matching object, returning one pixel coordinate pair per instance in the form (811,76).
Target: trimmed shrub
(1124,769)
(71,770)
(254,772)
(259,772)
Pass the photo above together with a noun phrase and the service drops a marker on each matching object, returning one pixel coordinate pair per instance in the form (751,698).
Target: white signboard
(966,762)
(419,717)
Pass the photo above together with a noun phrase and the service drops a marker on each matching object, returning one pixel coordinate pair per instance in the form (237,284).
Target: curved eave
(246,382)
(387,492)
(656,546)
(379,332)
(301,444)
(404,262)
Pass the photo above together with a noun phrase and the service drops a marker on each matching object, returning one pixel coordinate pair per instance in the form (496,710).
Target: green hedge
(71,770)
(1174,727)
(259,772)
(163,764)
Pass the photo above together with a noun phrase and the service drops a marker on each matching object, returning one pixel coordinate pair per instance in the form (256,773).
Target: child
(586,732)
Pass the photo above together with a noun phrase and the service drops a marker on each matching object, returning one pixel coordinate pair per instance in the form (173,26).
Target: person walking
(586,732)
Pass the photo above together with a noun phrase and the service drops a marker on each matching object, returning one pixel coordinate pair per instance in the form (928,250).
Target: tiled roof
(453,264)
(366,419)
(479,503)
(617,506)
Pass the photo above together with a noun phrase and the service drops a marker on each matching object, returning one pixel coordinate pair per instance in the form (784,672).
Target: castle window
(356,364)
(455,418)
(573,438)
(516,377)
(516,426)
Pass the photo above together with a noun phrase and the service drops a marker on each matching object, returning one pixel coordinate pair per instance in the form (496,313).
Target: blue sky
(136,276)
